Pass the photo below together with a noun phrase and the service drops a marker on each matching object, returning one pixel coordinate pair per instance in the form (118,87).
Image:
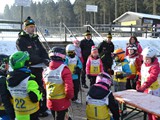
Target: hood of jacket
(97,92)
(15,77)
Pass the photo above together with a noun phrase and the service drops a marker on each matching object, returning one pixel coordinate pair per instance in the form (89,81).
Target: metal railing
(100,30)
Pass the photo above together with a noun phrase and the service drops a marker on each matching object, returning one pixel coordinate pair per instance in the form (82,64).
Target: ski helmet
(119,54)
(4,59)
(19,59)
(132,47)
(70,50)
(149,52)
(70,47)
(104,77)
(57,53)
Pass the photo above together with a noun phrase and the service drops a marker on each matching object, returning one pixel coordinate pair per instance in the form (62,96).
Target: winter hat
(28,22)
(94,50)
(132,47)
(87,33)
(149,52)
(105,78)
(109,35)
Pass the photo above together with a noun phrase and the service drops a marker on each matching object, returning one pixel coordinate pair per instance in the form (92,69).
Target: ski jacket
(122,68)
(59,104)
(149,76)
(135,63)
(106,100)
(105,49)
(85,46)
(33,46)
(5,98)
(72,63)
(78,52)
(25,91)
(94,66)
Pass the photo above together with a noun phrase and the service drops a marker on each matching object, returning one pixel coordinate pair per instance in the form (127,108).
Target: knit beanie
(94,50)
(109,35)
(28,22)
(87,33)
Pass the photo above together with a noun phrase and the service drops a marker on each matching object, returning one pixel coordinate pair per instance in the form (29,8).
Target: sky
(11,2)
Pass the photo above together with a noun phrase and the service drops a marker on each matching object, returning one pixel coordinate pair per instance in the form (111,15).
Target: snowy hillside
(8,46)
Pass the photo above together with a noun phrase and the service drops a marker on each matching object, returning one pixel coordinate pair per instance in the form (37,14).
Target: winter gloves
(110,71)
(138,85)
(89,76)
(142,88)
(77,70)
(120,76)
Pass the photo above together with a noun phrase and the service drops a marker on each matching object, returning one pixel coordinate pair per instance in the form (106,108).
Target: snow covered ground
(8,46)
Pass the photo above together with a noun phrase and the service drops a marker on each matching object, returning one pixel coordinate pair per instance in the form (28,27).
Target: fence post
(110,27)
(60,30)
(146,30)
(131,30)
(65,34)
(21,17)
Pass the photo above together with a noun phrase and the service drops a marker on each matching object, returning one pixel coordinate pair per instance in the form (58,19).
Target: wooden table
(141,102)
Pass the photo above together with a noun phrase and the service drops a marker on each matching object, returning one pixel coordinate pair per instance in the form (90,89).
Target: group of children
(20,94)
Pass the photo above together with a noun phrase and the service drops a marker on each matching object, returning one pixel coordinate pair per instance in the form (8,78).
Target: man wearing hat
(29,41)
(105,50)
(85,46)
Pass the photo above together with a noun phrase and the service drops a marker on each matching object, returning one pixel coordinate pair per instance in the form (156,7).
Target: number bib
(72,62)
(95,107)
(54,83)
(132,64)
(95,67)
(22,103)
(145,75)
(118,69)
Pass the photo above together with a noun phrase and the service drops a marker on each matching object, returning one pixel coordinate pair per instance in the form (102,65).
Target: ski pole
(81,89)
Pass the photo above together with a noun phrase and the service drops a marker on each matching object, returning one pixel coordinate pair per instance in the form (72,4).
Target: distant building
(139,19)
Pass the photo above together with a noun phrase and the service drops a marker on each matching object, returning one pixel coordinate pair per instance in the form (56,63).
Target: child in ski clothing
(148,80)
(58,83)
(135,62)
(93,66)
(6,107)
(23,87)
(133,40)
(121,70)
(78,49)
(100,100)
(75,66)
